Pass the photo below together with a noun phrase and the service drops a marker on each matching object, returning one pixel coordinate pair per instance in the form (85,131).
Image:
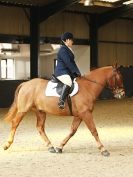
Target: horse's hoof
(52,149)
(5,147)
(105,153)
(58,150)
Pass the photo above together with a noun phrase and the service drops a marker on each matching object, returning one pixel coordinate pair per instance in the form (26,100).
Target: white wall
(82,57)
(22,68)
(47,65)
(21,61)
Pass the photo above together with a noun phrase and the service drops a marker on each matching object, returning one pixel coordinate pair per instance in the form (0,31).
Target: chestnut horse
(30,96)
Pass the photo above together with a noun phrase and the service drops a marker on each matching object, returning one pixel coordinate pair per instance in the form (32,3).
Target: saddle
(59,86)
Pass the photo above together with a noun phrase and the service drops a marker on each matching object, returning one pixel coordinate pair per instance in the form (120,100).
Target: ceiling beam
(56,40)
(126,18)
(77,12)
(51,9)
(9,4)
(14,39)
(18,39)
(107,17)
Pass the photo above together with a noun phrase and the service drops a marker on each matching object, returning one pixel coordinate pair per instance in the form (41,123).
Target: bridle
(114,80)
(117,90)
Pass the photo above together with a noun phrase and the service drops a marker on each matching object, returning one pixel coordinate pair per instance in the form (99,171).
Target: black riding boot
(63,96)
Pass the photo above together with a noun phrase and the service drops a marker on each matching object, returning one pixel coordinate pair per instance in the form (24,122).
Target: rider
(66,69)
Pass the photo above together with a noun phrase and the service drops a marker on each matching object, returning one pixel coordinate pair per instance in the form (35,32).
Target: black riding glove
(77,75)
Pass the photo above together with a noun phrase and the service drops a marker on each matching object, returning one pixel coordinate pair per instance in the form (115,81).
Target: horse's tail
(13,109)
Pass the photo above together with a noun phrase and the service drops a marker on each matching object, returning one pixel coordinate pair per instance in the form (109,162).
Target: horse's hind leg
(88,119)
(75,124)
(41,117)
(15,123)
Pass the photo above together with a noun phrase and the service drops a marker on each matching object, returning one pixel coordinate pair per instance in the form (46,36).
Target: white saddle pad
(51,89)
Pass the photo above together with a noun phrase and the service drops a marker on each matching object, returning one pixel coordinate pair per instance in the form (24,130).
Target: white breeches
(66,79)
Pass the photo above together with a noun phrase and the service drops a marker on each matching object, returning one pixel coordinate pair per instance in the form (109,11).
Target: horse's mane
(93,70)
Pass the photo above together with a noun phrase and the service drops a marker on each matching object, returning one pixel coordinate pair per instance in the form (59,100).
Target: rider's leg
(66,80)
(63,96)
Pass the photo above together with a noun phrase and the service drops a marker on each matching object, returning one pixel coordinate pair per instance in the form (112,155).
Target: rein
(95,82)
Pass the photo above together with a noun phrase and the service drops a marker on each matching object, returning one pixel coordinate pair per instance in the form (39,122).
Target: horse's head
(115,83)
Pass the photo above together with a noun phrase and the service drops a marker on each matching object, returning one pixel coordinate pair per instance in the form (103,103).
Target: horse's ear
(115,65)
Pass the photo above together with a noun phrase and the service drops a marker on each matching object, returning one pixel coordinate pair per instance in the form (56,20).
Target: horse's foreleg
(75,124)
(88,119)
(41,117)
(15,123)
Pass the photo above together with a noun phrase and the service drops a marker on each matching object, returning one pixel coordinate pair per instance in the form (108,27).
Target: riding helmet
(66,35)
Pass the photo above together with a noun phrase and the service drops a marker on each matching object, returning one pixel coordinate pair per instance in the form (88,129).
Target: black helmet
(66,36)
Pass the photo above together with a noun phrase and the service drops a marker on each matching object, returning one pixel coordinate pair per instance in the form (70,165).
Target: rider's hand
(77,74)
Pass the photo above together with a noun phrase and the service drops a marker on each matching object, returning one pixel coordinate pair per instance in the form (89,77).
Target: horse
(29,96)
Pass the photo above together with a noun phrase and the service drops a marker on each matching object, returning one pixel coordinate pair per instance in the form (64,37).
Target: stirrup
(61,104)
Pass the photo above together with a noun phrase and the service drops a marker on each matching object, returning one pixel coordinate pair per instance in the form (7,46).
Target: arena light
(128,2)
(87,2)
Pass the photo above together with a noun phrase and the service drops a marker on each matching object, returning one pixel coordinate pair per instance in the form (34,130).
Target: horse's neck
(99,76)
(99,79)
